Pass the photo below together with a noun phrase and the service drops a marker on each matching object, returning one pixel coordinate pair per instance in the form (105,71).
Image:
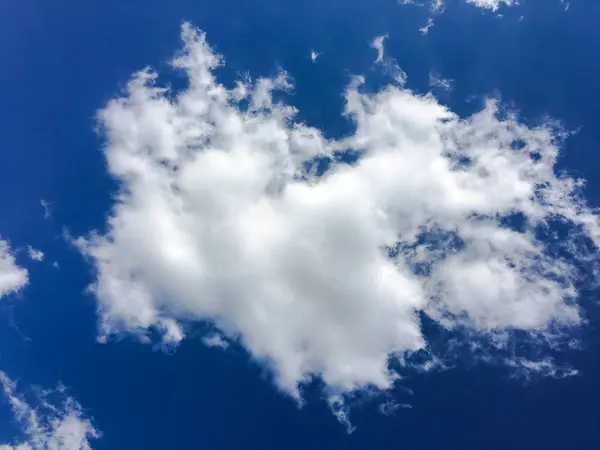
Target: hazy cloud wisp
(47,426)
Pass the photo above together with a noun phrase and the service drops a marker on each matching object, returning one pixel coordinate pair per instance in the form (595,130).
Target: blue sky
(346,231)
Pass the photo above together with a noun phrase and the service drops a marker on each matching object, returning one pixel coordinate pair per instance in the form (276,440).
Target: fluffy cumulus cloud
(234,213)
(12,277)
(47,426)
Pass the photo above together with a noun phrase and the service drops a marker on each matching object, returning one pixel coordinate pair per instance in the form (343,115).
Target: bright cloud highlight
(222,217)
(12,277)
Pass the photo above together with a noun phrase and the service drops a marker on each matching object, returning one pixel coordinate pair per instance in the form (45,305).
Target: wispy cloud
(390,65)
(221,217)
(377,44)
(47,206)
(47,426)
(492,5)
(425,28)
(439,5)
(35,255)
(438,82)
(215,340)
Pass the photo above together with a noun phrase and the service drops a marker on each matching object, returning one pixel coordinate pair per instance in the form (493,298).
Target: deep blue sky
(63,59)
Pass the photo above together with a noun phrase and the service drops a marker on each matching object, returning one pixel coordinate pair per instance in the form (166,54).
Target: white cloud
(48,426)
(377,44)
(545,367)
(389,407)
(438,6)
(36,255)
(219,219)
(492,5)
(425,28)
(215,340)
(389,65)
(439,82)
(47,206)
(12,277)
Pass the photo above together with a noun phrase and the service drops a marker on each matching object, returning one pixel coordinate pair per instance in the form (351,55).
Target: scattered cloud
(492,5)
(12,277)
(438,82)
(438,6)
(461,220)
(35,255)
(389,407)
(47,426)
(377,44)
(390,65)
(215,340)
(47,206)
(546,367)
(425,28)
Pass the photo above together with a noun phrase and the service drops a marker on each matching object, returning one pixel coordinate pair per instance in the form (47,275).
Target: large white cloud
(222,218)
(47,426)
(12,277)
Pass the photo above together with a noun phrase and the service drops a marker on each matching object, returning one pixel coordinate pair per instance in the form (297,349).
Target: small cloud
(492,5)
(398,74)
(314,55)
(47,208)
(425,28)
(439,82)
(390,65)
(34,254)
(437,6)
(377,44)
(341,411)
(215,340)
(548,368)
(48,425)
(390,407)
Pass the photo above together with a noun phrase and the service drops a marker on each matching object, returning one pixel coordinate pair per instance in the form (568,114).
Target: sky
(329,225)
